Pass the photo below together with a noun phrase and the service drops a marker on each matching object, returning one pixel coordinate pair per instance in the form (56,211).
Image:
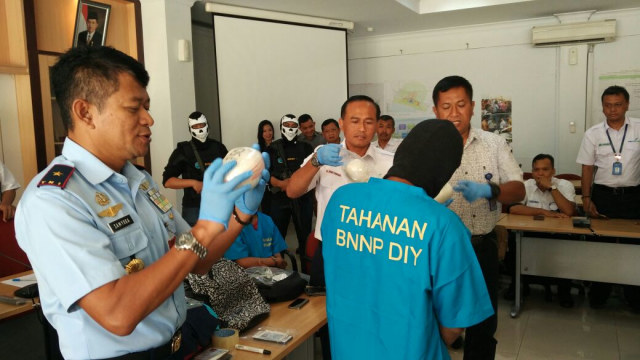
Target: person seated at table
(259,244)
(551,197)
(401,274)
(8,187)
(546,195)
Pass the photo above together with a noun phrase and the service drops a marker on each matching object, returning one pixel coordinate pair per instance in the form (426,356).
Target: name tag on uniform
(121,223)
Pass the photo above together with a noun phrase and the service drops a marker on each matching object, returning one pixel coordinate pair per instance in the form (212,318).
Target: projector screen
(267,69)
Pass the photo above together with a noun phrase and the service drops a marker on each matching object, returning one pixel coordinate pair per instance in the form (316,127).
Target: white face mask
(202,133)
(289,132)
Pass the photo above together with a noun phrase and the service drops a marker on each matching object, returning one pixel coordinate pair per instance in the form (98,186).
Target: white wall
(482,53)
(547,93)
(10,153)
(171,88)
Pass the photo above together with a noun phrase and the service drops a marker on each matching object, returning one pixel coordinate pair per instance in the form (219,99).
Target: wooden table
(584,259)
(577,184)
(304,322)
(7,310)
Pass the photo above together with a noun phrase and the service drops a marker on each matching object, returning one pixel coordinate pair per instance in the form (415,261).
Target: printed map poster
(496,117)
(408,97)
(409,102)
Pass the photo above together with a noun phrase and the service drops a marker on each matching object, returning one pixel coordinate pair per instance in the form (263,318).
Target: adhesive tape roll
(225,339)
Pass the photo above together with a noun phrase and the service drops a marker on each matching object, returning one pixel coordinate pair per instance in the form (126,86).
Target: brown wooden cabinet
(54,130)
(55,22)
(13,49)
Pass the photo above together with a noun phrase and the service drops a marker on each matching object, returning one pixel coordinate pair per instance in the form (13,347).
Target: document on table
(21,281)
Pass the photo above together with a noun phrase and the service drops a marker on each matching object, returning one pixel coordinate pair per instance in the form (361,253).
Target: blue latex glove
(249,202)
(472,190)
(218,197)
(329,154)
(448,202)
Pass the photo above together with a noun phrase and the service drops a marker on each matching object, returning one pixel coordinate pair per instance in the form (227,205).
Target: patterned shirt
(486,156)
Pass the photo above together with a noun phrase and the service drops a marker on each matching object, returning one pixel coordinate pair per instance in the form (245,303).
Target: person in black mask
(287,154)
(188,162)
(399,267)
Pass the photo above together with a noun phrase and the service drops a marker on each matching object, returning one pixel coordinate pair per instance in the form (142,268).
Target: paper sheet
(21,281)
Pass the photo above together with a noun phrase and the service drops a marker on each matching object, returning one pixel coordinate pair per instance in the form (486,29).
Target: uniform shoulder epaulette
(58,176)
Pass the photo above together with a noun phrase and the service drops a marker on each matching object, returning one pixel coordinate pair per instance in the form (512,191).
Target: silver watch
(314,160)
(187,241)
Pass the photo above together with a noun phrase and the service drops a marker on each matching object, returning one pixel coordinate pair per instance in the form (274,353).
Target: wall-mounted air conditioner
(573,33)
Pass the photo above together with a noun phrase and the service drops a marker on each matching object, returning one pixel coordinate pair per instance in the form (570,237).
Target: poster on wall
(630,80)
(407,97)
(408,102)
(496,117)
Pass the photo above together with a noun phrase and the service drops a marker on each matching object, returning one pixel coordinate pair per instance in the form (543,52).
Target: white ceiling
(390,16)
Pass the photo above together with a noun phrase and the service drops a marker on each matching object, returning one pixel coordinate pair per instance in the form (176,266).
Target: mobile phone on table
(298,303)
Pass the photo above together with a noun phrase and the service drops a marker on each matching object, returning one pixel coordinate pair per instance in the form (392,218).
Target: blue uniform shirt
(397,264)
(262,242)
(73,250)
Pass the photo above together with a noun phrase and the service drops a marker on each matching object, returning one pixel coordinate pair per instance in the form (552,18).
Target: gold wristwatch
(187,241)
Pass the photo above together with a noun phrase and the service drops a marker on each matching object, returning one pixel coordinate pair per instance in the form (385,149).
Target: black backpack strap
(195,151)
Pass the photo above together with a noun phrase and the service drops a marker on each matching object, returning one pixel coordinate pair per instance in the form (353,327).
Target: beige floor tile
(506,356)
(549,337)
(629,339)
(510,330)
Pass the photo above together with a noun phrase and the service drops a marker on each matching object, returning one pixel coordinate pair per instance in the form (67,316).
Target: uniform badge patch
(58,176)
(101,198)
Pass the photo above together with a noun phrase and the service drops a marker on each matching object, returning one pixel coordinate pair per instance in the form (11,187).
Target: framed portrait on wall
(91,24)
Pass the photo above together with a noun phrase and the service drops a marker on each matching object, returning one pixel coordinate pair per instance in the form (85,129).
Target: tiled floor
(544,330)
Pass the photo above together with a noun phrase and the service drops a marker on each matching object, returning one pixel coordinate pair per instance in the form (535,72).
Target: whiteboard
(268,69)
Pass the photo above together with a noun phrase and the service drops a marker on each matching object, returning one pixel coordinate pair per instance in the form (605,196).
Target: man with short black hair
(548,196)
(331,131)
(545,194)
(323,171)
(99,234)
(386,128)
(610,158)
(488,176)
(308,131)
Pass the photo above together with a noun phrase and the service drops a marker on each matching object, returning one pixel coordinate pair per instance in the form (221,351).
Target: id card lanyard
(617,165)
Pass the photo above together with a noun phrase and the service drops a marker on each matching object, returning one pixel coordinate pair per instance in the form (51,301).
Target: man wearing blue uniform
(401,275)
(259,244)
(98,232)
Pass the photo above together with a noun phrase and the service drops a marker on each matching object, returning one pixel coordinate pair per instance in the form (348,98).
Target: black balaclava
(429,155)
